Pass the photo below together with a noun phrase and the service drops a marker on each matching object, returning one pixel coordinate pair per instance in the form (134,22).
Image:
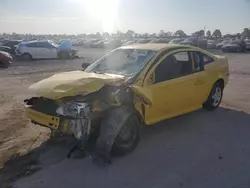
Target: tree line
(180,33)
(131,34)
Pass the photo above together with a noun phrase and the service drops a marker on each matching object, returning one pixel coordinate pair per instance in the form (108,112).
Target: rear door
(38,51)
(204,79)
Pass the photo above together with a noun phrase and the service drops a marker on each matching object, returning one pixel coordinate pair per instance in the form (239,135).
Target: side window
(174,66)
(198,62)
(47,45)
(182,56)
(32,45)
(42,45)
(207,59)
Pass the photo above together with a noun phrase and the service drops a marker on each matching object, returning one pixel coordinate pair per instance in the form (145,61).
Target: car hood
(73,83)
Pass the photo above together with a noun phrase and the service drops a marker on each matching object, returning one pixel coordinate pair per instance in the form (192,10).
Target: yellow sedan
(131,86)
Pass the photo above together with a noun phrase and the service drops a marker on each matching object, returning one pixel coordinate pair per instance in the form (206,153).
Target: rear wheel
(26,57)
(64,54)
(215,96)
(5,64)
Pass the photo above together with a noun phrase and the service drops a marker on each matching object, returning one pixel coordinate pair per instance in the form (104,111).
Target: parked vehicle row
(192,41)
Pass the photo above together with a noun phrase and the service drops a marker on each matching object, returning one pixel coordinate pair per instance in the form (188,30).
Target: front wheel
(128,137)
(215,97)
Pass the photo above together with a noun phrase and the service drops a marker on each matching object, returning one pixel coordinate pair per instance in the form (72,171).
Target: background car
(143,41)
(44,49)
(78,42)
(176,41)
(195,41)
(128,43)
(247,44)
(159,41)
(98,44)
(5,59)
(89,43)
(219,45)
(211,44)
(234,46)
(37,50)
(7,49)
(12,44)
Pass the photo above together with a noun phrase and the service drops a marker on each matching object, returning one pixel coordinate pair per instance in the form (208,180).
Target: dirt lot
(201,149)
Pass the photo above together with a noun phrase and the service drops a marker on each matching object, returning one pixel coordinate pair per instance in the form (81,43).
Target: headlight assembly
(74,109)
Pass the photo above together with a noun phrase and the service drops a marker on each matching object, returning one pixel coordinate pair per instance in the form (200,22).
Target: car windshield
(126,62)
(53,43)
(235,42)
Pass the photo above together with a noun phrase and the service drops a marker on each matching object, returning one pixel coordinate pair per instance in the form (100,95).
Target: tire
(128,137)
(4,64)
(26,56)
(63,54)
(215,97)
(242,49)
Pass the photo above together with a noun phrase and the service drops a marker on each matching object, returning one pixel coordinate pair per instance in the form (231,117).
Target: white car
(38,49)
(247,44)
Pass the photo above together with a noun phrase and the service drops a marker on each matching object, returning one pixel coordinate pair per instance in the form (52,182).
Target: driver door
(173,87)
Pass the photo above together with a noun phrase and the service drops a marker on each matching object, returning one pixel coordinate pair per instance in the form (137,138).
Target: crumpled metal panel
(73,83)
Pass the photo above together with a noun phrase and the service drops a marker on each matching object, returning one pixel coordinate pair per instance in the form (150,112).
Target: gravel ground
(201,149)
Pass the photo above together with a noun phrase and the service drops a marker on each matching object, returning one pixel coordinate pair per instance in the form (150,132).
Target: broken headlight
(74,109)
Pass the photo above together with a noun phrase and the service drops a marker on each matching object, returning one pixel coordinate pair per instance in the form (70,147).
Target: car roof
(154,46)
(34,41)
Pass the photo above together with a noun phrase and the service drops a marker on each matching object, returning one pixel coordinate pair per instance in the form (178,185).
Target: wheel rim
(127,135)
(217,96)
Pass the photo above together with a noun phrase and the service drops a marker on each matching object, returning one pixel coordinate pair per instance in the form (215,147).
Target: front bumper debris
(42,119)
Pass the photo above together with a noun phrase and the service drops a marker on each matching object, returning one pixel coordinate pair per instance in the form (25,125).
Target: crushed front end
(81,115)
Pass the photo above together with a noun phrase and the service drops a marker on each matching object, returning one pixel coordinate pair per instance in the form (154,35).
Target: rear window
(31,44)
(207,59)
(182,56)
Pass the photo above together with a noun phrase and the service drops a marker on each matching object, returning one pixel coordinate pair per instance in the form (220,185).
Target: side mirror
(151,78)
(85,65)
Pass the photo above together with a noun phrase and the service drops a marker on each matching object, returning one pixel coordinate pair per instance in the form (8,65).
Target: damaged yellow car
(127,88)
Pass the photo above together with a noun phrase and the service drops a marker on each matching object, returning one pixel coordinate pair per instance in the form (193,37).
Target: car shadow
(194,121)
(195,139)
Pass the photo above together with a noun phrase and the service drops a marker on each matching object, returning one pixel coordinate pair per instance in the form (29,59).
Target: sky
(141,16)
